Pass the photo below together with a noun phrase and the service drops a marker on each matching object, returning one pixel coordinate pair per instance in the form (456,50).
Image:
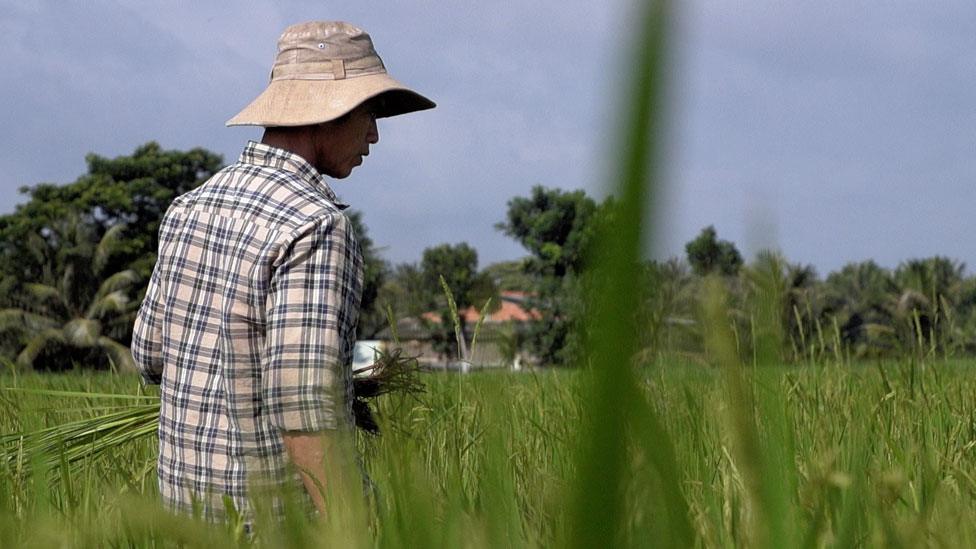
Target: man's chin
(337,174)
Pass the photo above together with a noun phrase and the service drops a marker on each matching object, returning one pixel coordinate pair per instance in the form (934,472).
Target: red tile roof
(511,310)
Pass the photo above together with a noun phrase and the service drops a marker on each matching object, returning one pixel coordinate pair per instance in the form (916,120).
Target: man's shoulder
(269,196)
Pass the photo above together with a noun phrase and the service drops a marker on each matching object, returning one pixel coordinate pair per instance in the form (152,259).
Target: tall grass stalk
(615,404)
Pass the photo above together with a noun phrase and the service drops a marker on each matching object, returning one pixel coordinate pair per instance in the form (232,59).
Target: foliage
(554,226)
(557,228)
(861,298)
(372,318)
(77,311)
(668,308)
(707,254)
(510,275)
(403,292)
(454,267)
(133,190)
(924,307)
(899,465)
(59,250)
(458,264)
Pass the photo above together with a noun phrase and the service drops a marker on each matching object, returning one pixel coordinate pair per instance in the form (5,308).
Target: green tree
(510,275)
(133,191)
(404,293)
(862,299)
(557,228)
(707,254)
(458,265)
(77,312)
(929,290)
(43,242)
(667,318)
(372,317)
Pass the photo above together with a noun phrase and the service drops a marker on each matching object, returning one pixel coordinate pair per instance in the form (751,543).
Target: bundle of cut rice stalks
(138,417)
(83,439)
(390,373)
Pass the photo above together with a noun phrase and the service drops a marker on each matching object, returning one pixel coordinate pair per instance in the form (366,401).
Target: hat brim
(306,102)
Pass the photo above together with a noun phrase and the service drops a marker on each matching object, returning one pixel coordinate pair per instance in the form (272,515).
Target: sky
(832,131)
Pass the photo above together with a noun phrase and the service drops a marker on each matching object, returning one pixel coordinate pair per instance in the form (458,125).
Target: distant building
(498,337)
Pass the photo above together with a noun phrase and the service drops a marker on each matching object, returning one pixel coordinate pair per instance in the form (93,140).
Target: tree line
(75,260)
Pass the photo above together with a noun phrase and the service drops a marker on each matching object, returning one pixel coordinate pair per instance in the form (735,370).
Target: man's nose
(373,135)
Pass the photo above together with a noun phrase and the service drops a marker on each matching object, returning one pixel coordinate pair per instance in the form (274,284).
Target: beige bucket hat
(323,70)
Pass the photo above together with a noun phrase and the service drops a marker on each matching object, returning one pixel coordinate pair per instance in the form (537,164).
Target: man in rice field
(249,320)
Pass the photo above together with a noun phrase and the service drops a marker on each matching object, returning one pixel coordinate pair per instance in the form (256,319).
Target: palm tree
(794,291)
(74,313)
(669,303)
(930,290)
(862,298)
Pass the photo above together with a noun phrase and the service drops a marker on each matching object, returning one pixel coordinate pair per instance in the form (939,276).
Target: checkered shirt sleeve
(147,334)
(312,292)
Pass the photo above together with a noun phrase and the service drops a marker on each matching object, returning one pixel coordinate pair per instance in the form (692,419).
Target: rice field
(815,455)
(741,452)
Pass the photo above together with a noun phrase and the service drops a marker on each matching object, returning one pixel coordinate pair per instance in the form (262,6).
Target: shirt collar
(261,154)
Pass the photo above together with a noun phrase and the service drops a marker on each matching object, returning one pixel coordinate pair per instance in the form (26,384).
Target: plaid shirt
(248,325)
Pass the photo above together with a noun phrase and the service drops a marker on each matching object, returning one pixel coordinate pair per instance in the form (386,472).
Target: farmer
(249,320)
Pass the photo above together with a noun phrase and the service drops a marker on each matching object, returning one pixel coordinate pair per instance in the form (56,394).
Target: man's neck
(294,140)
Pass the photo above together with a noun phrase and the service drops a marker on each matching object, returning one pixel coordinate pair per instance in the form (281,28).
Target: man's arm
(319,459)
(310,302)
(147,333)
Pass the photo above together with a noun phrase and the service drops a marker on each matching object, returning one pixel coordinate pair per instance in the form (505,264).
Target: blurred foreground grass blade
(764,457)
(778,465)
(599,515)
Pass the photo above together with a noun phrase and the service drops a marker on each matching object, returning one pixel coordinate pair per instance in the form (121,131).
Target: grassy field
(872,454)
(679,455)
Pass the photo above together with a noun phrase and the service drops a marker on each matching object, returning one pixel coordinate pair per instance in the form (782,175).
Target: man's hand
(321,459)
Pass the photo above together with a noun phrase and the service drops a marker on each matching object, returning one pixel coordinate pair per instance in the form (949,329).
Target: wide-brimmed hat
(323,70)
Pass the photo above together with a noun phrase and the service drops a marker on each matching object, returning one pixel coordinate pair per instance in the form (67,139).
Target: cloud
(853,115)
(828,120)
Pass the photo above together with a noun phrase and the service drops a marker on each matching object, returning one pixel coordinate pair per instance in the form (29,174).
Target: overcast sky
(835,131)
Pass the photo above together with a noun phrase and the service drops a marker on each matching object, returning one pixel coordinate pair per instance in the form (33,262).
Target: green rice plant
(882,453)
(733,450)
(136,417)
(85,439)
(615,409)
(464,353)
(455,319)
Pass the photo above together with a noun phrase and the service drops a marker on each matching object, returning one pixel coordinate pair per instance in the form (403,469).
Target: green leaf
(114,302)
(82,332)
(38,344)
(120,355)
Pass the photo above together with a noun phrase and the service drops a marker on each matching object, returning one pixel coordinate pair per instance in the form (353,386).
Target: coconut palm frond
(37,247)
(120,354)
(46,296)
(37,344)
(19,319)
(107,246)
(122,280)
(68,278)
(83,332)
(912,300)
(114,302)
